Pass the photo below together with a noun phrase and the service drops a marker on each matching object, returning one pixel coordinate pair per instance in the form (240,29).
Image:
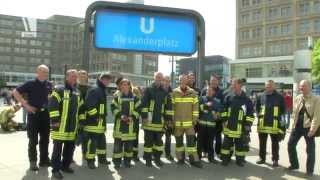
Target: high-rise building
(58,42)
(267,35)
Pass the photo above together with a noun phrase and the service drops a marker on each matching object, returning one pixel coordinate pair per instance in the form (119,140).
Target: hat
(106,75)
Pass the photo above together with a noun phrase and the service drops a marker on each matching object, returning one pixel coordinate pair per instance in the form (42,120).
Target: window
(255,2)
(244,52)
(273,13)
(32,51)
(5,31)
(18,59)
(273,30)
(254,72)
(6,22)
(304,26)
(47,52)
(317,25)
(5,40)
(47,44)
(316,7)
(304,8)
(256,15)
(245,18)
(38,51)
(245,35)
(245,3)
(256,33)
(5,49)
(285,11)
(303,44)
(256,51)
(286,29)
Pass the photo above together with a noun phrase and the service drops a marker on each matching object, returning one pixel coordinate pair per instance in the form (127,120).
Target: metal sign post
(141,28)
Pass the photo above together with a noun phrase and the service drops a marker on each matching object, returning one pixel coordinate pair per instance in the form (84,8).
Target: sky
(219,16)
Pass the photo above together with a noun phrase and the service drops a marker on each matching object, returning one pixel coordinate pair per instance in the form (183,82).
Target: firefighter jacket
(64,105)
(185,107)
(270,110)
(209,114)
(156,107)
(238,115)
(96,109)
(126,110)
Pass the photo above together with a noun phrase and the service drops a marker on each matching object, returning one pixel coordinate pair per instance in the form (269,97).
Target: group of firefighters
(200,116)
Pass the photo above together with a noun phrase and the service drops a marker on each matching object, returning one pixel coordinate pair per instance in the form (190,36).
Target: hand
(209,104)
(30,109)
(55,125)
(311,133)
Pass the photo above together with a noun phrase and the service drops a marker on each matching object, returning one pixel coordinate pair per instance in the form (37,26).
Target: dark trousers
(218,138)
(67,149)
(136,143)
(227,146)
(263,137)
(38,124)
(153,145)
(95,145)
(295,136)
(205,140)
(167,147)
(122,149)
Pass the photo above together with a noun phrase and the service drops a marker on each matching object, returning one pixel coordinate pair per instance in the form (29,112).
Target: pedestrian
(126,109)
(306,121)
(7,113)
(288,104)
(270,109)
(38,123)
(95,124)
(156,110)
(238,118)
(186,113)
(64,106)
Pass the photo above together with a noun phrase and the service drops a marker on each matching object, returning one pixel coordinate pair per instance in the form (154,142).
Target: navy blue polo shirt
(37,92)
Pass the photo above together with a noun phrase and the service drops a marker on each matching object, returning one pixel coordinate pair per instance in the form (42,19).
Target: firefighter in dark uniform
(38,124)
(126,109)
(210,108)
(64,117)
(238,117)
(270,109)
(95,123)
(219,95)
(156,108)
(83,88)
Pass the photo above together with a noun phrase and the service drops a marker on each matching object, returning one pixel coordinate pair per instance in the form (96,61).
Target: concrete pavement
(14,164)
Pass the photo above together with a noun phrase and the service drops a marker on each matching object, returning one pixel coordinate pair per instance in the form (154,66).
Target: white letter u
(143,25)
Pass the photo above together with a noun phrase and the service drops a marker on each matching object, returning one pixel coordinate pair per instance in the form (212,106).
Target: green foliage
(316,62)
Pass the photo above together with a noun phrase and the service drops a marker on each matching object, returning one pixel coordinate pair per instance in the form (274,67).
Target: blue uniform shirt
(37,92)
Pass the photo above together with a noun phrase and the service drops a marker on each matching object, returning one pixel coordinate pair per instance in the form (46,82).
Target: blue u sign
(145,32)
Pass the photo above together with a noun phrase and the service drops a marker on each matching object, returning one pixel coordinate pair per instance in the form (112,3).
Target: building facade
(268,33)
(210,65)
(58,42)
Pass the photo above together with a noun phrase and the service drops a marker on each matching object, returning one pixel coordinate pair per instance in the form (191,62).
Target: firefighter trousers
(191,148)
(228,143)
(263,137)
(95,145)
(153,144)
(122,149)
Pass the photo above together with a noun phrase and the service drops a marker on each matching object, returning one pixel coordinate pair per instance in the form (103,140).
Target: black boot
(158,162)
(103,162)
(57,175)
(148,163)
(197,164)
(91,164)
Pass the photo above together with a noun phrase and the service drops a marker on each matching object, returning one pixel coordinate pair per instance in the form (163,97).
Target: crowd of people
(216,123)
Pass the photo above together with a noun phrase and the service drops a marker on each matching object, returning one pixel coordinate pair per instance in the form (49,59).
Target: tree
(316,62)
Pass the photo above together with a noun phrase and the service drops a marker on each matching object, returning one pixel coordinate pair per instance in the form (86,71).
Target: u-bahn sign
(140,31)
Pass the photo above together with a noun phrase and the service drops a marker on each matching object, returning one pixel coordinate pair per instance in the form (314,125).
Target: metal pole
(172,72)
(201,54)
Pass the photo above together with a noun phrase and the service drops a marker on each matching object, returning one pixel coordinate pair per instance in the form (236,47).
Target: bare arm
(23,102)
